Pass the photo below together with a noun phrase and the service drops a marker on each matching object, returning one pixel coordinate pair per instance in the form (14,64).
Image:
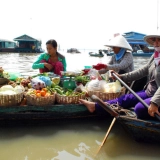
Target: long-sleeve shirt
(125,63)
(153,84)
(45,56)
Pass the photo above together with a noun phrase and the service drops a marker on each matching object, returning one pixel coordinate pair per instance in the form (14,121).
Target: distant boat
(100,54)
(73,50)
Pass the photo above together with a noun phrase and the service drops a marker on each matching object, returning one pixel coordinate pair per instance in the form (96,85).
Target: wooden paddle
(139,98)
(109,110)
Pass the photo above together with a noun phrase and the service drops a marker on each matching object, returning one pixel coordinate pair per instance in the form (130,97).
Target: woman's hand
(111,76)
(102,71)
(153,108)
(48,66)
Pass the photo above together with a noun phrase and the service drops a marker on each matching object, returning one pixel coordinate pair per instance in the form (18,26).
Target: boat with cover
(100,54)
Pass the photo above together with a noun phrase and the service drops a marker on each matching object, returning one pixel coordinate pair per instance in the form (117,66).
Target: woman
(122,60)
(151,92)
(51,61)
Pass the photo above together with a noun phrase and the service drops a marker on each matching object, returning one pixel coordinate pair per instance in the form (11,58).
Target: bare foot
(90,105)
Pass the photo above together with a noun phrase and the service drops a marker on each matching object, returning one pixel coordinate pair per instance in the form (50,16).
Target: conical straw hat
(150,39)
(119,41)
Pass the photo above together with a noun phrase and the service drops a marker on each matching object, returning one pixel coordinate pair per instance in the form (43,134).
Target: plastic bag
(46,80)
(105,76)
(113,87)
(96,85)
(37,83)
(93,73)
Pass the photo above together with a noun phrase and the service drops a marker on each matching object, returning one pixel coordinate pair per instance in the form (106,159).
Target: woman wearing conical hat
(122,60)
(150,94)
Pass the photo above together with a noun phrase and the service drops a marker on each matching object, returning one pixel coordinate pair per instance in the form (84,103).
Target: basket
(40,101)
(69,99)
(107,96)
(11,100)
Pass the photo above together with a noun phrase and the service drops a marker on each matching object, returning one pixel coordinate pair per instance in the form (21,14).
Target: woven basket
(68,99)
(40,101)
(107,96)
(10,100)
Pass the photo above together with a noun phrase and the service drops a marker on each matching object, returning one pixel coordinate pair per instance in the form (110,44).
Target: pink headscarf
(157,58)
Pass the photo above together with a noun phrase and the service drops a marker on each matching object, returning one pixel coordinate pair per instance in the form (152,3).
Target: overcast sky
(76,23)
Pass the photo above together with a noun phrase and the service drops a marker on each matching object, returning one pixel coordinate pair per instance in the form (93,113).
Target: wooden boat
(73,50)
(141,130)
(96,54)
(52,112)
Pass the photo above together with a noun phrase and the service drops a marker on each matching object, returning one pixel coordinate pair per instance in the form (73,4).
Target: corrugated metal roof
(25,38)
(5,40)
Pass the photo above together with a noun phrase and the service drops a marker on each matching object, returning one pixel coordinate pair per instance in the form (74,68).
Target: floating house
(137,42)
(26,44)
(7,45)
(23,44)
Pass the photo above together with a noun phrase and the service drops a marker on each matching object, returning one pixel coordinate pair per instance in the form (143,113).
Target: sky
(83,24)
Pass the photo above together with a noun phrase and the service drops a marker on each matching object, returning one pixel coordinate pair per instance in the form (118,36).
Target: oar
(139,98)
(109,110)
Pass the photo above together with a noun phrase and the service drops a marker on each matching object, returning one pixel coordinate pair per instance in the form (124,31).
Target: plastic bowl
(87,67)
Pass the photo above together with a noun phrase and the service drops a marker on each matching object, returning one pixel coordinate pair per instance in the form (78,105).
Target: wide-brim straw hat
(119,41)
(149,39)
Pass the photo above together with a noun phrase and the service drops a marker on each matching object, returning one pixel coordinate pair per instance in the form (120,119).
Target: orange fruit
(47,94)
(43,93)
(38,94)
(38,91)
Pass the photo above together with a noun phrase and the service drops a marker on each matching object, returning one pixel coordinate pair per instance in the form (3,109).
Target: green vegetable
(82,79)
(40,74)
(59,91)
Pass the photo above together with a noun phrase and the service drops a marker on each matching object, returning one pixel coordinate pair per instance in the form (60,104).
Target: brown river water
(69,140)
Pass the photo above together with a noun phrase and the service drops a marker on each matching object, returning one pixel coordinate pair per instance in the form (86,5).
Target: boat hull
(52,112)
(141,130)
(95,54)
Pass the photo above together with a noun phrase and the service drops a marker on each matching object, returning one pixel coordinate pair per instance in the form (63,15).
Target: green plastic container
(69,84)
(87,67)
(13,76)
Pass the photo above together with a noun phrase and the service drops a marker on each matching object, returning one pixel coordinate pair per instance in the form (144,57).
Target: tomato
(43,93)
(38,91)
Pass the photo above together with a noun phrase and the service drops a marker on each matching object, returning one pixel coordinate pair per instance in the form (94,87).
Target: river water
(69,140)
